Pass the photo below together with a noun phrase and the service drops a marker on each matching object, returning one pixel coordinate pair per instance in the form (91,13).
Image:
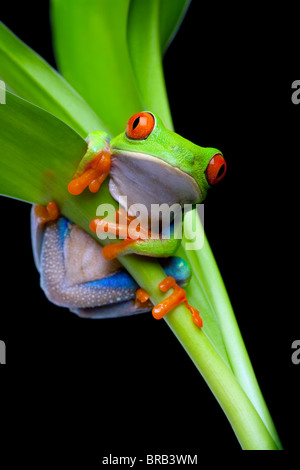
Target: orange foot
(177,297)
(93,175)
(113,250)
(48,213)
(141,295)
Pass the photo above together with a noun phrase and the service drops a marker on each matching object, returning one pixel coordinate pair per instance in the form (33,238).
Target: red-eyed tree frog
(148,164)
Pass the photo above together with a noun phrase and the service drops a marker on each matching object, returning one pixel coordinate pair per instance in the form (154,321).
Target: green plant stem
(206,270)
(197,296)
(244,419)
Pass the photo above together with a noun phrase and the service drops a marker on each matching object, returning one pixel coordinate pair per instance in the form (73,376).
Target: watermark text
(162,223)
(2,92)
(2,352)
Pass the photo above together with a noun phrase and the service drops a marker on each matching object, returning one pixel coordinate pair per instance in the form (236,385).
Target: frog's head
(161,161)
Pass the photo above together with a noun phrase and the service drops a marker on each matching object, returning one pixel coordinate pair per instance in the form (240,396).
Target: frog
(74,273)
(148,164)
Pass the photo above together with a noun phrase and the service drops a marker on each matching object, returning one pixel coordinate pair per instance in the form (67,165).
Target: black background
(125,385)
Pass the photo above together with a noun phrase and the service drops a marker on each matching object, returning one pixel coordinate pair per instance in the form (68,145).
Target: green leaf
(38,151)
(91,49)
(151,27)
(30,77)
(145,52)
(95,59)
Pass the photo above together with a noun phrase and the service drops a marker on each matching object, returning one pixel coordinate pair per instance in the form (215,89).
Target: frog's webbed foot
(47,213)
(141,241)
(177,297)
(94,166)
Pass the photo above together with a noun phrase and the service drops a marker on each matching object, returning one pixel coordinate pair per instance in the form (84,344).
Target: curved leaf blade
(156,22)
(93,56)
(38,152)
(30,77)
(145,54)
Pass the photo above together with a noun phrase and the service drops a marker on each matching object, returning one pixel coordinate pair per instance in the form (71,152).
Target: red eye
(140,126)
(216,169)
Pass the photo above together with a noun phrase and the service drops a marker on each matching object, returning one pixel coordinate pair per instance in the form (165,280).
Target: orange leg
(112,250)
(177,297)
(48,213)
(100,225)
(121,213)
(93,175)
(120,229)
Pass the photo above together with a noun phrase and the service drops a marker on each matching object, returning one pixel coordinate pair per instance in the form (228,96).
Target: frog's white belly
(148,180)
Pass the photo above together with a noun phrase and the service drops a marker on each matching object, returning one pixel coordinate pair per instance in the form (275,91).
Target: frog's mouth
(146,179)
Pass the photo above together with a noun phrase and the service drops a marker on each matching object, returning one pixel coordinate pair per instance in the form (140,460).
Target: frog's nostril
(216,169)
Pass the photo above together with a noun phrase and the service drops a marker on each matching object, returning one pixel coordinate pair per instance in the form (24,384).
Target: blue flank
(175,267)
(120,280)
(64,230)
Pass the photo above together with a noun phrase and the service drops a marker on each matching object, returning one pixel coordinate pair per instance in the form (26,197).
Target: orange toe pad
(177,297)
(48,213)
